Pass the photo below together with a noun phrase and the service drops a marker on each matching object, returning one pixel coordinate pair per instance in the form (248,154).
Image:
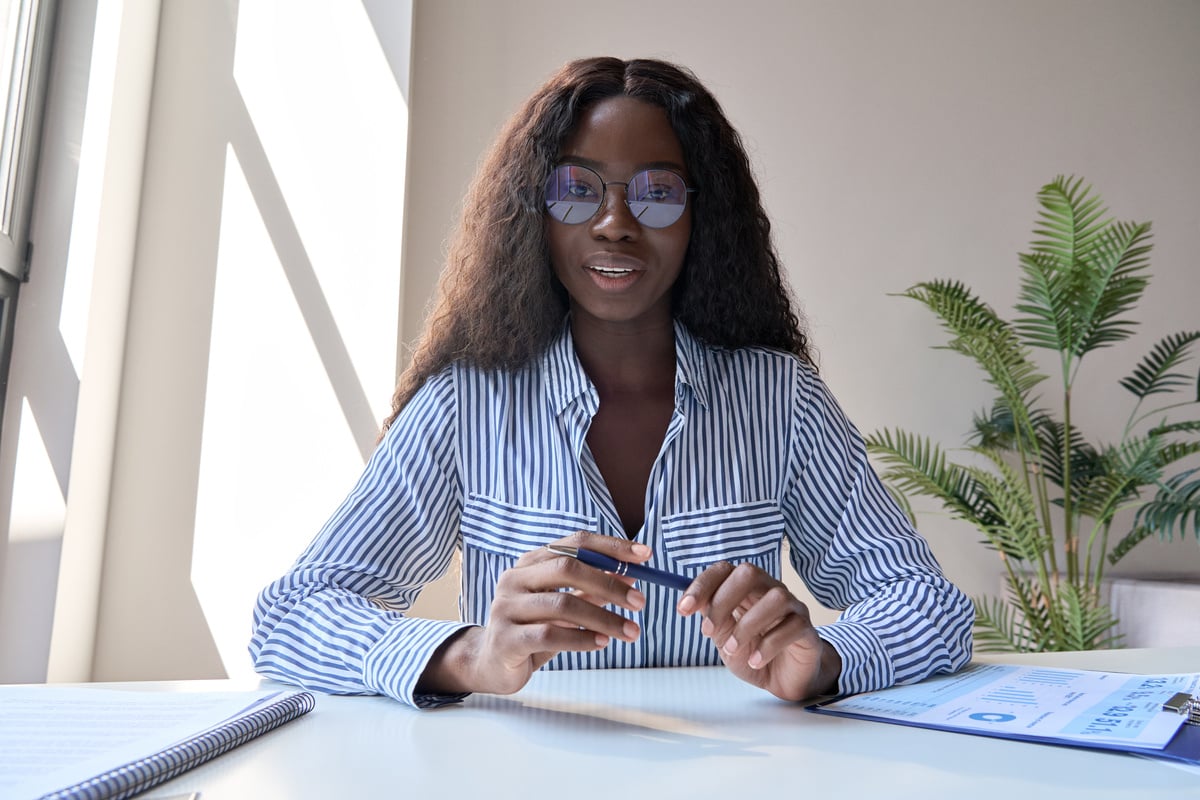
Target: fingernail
(630,629)
(706,627)
(731,646)
(641,550)
(756,660)
(687,604)
(635,599)
(602,640)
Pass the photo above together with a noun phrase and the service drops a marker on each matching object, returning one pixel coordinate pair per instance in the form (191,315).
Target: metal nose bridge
(637,217)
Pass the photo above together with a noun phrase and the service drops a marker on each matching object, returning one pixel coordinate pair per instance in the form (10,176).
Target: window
(25,28)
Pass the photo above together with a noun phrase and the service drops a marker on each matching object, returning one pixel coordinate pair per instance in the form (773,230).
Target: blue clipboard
(1183,747)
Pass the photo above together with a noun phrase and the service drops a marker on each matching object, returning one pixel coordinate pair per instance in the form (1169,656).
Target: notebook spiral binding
(138,776)
(1185,704)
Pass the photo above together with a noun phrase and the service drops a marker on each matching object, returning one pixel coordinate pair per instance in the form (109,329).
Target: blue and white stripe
(496,463)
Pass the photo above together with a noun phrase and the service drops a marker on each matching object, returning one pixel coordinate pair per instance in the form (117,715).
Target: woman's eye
(580,190)
(655,193)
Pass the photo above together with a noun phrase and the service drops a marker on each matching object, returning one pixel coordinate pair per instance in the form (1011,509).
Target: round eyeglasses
(656,197)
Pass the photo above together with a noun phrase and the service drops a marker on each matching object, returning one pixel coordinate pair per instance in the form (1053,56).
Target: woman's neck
(626,359)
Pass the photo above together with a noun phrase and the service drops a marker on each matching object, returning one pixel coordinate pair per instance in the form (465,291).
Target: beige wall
(895,142)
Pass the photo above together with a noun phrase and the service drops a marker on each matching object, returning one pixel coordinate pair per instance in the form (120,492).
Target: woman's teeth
(611,273)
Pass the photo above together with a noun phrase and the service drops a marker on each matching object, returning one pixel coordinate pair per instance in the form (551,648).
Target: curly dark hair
(499,304)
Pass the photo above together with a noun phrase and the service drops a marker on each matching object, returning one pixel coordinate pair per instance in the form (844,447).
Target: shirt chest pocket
(494,535)
(746,532)
(507,531)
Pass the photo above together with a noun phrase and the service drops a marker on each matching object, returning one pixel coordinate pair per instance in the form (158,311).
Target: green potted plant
(1056,507)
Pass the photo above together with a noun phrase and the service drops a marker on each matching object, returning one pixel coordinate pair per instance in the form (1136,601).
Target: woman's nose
(615,220)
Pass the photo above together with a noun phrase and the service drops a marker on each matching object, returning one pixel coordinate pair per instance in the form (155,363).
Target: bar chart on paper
(1010,695)
(1050,677)
(1031,687)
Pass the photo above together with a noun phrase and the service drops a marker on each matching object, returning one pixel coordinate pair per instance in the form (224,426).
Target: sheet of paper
(54,737)
(1074,705)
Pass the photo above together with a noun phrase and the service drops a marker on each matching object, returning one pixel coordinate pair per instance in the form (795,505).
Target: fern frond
(1018,531)
(1103,495)
(1069,219)
(1086,461)
(1046,302)
(1054,283)
(1084,273)
(1177,502)
(1006,361)
(997,429)
(1008,367)
(1153,375)
(1036,609)
(1138,458)
(1086,621)
(1113,266)
(1177,451)
(1120,474)
(1187,426)
(999,628)
(981,334)
(956,306)
(916,465)
(978,332)
(1128,542)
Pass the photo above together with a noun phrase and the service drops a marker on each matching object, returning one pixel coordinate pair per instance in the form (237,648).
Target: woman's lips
(612,264)
(613,271)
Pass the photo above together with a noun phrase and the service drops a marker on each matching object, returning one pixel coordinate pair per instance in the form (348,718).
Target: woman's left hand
(764,634)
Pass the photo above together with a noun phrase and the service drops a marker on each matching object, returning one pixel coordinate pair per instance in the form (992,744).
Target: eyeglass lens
(656,197)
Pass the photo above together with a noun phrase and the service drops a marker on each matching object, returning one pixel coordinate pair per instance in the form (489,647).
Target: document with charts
(1106,710)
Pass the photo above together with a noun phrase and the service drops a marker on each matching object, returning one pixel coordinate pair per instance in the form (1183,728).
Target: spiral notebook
(1157,716)
(83,743)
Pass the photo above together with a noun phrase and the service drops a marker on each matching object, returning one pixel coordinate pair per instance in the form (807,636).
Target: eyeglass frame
(688,190)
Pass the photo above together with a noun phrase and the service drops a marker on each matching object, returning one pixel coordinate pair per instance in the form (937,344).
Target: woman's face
(615,269)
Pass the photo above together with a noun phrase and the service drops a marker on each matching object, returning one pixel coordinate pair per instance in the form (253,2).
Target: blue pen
(610,564)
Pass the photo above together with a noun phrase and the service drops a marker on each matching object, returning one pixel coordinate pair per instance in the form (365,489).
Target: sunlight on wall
(77,286)
(30,559)
(268,447)
(38,507)
(282,444)
(335,126)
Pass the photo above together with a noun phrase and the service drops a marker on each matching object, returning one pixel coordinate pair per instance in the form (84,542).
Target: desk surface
(664,733)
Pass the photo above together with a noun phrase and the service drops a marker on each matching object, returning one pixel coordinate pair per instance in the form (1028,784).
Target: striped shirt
(495,463)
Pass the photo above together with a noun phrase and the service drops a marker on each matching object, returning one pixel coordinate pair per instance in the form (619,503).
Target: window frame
(29,39)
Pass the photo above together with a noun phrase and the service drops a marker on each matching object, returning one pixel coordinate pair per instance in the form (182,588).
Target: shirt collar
(566,380)
(691,365)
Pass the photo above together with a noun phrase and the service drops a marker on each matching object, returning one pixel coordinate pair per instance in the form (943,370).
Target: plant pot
(1155,613)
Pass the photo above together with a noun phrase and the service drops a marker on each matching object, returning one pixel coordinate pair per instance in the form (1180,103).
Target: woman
(613,363)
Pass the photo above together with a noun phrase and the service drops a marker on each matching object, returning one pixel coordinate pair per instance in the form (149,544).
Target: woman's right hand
(532,619)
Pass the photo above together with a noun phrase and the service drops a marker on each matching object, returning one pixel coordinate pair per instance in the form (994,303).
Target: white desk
(665,733)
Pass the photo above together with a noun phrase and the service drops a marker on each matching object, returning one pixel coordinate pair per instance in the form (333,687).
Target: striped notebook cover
(138,776)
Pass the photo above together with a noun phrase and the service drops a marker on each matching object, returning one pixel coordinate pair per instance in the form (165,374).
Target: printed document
(1006,700)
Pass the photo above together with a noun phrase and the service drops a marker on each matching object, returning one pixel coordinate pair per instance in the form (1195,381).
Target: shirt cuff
(865,662)
(395,663)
